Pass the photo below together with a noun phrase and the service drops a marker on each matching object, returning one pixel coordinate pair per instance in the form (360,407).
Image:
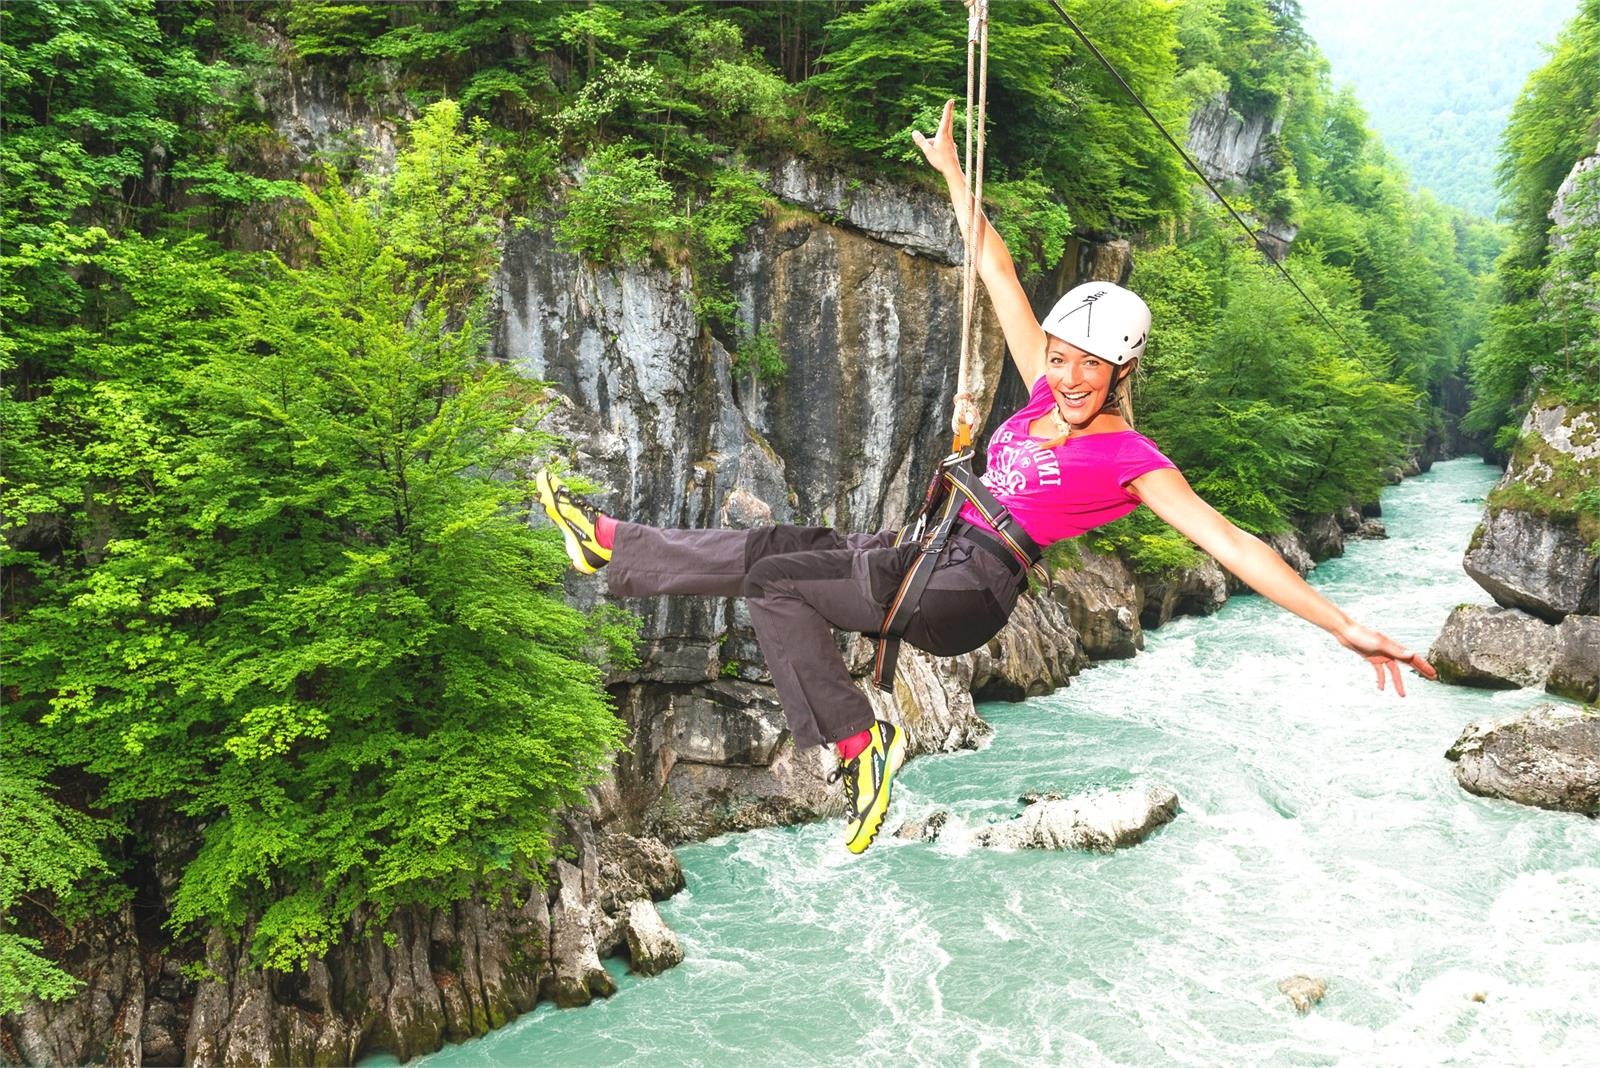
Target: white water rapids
(1321,832)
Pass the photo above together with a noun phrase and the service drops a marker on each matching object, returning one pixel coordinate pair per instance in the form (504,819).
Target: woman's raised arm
(1170,496)
(1023,336)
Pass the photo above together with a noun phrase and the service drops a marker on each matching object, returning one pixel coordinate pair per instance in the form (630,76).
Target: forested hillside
(1445,127)
(279,646)
(1544,328)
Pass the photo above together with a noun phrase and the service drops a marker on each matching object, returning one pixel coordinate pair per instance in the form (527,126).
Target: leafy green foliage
(619,208)
(298,604)
(1252,396)
(1542,325)
(759,358)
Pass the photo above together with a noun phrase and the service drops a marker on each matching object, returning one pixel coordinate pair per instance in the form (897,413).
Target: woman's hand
(1383,653)
(941,149)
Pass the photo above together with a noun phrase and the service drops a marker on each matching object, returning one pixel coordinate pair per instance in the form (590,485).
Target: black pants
(802,582)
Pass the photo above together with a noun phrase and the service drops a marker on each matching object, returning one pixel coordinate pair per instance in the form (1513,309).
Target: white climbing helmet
(1101,318)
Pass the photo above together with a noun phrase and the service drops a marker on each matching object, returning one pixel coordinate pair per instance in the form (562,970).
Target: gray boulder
(1102,598)
(652,947)
(1372,529)
(1099,821)
(1322,535)
(1531,550)
(924,830)
(1575,664)
(1526,561)
(1495,648)
(1548,756)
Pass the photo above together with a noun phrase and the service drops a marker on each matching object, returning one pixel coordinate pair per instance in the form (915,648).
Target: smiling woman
(1068,462)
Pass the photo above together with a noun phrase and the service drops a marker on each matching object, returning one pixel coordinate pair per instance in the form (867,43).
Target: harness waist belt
(987,541)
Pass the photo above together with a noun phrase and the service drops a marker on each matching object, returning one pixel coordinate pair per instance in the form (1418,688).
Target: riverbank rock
(1495,648)
(1322,535)
(1372,529)
(1303,991)
(1100,821)
(652,947)
(1183,591)
(1036,653)
(1575,664)
(1531,550)
(1548,756)
(1103,600)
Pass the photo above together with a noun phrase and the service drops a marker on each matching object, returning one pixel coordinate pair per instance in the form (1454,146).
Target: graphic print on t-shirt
(1018,463)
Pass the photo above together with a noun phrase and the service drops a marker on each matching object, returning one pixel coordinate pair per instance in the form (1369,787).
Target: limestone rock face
(1548,756)
(652,947)
(1227,145)
(912,220)
(102,1024)
(1524,553)
(1575,660)
(1100,822)
(1103,600)
(1562,213)
(1323,536)
(1188,591)
(1496,648)
(1038,651)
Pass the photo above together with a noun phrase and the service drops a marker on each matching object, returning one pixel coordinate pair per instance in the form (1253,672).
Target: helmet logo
(1087,305)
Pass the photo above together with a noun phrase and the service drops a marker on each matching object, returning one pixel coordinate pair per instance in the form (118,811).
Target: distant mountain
(1438,78)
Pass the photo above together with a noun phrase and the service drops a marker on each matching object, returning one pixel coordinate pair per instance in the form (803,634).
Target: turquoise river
(1321,832)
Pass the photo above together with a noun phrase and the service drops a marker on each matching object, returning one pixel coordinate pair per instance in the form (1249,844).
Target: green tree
(316,623)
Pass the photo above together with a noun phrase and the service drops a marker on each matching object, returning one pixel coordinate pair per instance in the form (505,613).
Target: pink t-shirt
(1076,486)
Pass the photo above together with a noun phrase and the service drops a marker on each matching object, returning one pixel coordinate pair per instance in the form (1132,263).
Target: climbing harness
(952,485)
(953,482)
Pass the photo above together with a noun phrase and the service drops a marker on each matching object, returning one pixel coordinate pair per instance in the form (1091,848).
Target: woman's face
(1079,382)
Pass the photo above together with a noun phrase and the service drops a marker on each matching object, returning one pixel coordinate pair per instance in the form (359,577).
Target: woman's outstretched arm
(1169,496)
(1023,336)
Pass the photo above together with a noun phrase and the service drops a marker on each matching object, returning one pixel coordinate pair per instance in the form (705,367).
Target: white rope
(966,406)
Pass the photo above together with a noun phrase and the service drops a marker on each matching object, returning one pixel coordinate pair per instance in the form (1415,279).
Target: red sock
(605,529)
(850,748)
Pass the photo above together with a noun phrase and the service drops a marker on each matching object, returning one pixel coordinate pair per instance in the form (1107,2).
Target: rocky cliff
(858,283)
(1233,149)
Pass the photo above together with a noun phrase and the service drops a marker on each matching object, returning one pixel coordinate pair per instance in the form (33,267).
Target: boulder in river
(1303,991)
(925,830)
(1496,648)
(1575,666)
(1100,821)
(1531,550)
(652,947)
(1548,756)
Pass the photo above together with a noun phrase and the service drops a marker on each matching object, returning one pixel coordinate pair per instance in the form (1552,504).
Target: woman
(1067,462)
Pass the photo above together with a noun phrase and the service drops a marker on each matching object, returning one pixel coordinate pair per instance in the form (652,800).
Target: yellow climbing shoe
(576,519)
(867,780)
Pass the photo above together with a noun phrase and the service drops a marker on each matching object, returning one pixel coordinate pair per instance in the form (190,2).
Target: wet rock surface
(1529,552)
(1575,660)
(1496,648)
(1303,991)
(1547,756)
(1100,821)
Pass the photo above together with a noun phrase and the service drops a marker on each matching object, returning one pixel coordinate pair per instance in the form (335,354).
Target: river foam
(1321,833)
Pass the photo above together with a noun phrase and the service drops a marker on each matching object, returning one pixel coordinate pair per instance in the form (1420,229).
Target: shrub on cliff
(309,619)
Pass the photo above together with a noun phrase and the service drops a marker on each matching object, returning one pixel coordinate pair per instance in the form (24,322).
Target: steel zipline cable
(1254,237)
